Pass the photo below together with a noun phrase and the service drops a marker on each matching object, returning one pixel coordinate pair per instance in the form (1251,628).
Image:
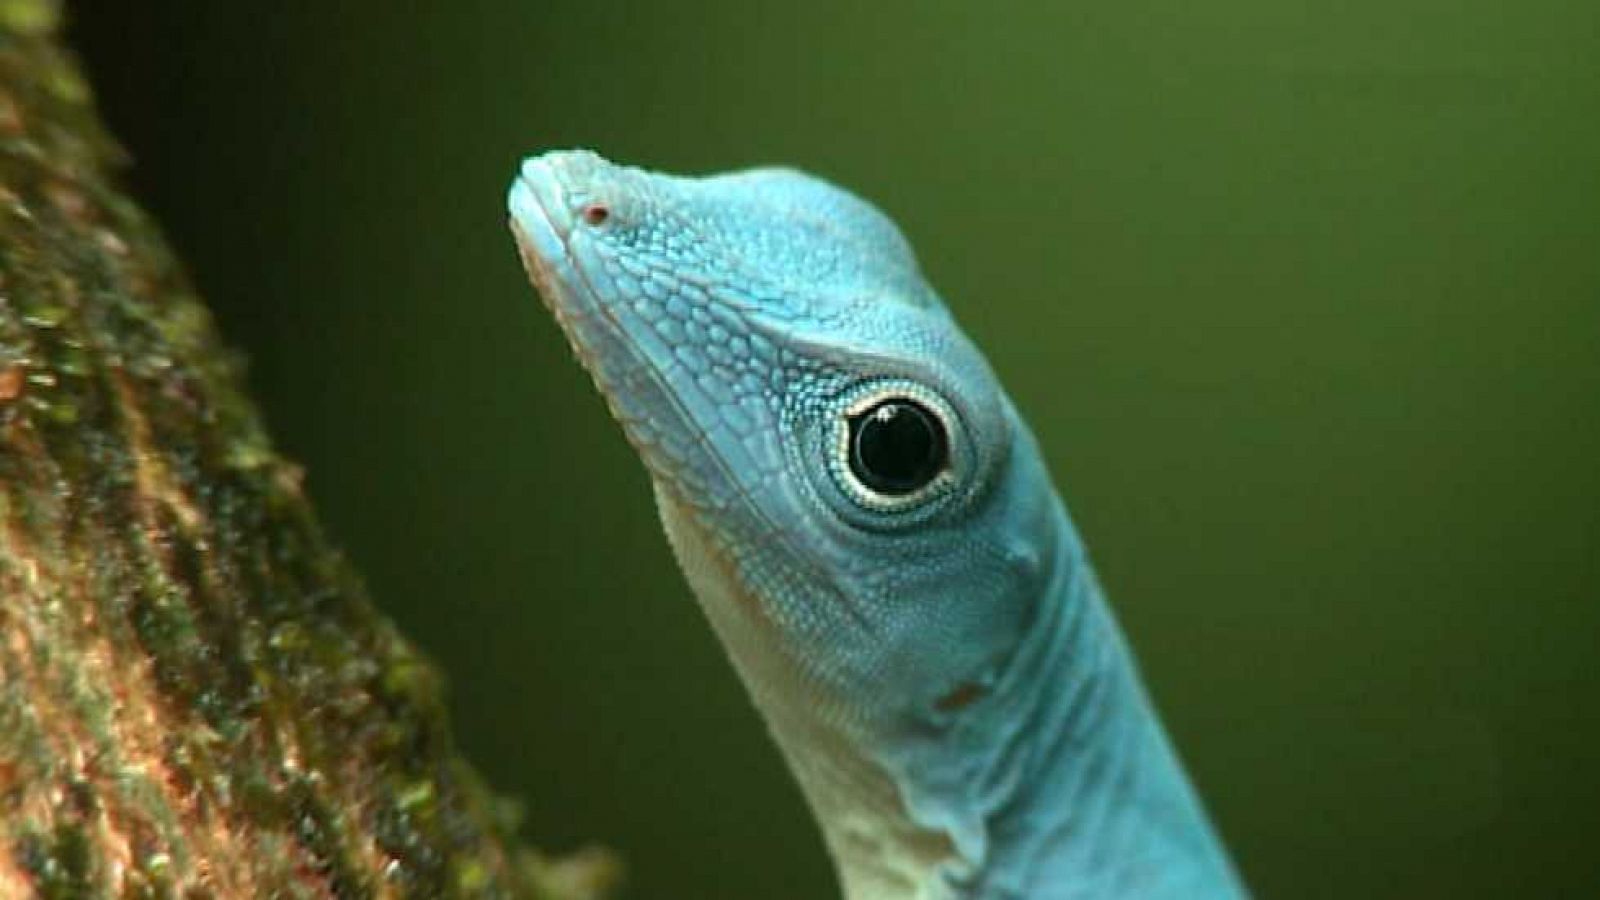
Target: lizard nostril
(595,213)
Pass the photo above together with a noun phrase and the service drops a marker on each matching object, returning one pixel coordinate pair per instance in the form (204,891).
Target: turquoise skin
(938,664)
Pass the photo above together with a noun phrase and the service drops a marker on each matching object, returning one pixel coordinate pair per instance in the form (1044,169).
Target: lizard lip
(537,211)
(544,222)
(541,226)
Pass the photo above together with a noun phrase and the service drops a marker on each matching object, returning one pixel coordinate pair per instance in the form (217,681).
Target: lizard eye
(893,447)
(897,446)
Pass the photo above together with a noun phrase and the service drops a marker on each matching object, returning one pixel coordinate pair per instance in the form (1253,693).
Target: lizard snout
(574,187)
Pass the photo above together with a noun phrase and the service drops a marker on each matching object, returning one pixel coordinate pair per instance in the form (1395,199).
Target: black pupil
(896,447)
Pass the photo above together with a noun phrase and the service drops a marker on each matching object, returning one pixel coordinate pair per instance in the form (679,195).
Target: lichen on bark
(197,698)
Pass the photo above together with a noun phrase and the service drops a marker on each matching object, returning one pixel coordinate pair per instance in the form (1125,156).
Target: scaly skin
(940,670)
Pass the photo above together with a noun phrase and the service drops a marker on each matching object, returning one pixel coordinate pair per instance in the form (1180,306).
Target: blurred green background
(1303,300)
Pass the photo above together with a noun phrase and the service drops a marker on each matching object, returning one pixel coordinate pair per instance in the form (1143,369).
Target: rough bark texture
(196,697)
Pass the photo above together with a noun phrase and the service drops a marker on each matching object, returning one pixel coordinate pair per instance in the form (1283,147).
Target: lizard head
(836,465)
(869,527)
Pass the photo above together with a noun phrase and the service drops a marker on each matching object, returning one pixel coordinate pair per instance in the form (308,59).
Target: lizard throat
(880,852)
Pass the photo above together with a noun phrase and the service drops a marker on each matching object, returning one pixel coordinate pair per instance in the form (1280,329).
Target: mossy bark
(197,698)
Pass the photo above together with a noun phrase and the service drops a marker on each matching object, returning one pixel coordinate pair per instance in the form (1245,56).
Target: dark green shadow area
(1304,303)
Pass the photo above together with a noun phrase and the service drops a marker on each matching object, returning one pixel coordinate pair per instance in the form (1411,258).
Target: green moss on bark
(197,698)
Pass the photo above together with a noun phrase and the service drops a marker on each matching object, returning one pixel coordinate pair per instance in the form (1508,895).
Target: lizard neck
(880,852)
(1062,783)
(1065,785)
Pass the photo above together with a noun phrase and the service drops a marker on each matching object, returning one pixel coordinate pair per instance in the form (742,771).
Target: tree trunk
(197,698)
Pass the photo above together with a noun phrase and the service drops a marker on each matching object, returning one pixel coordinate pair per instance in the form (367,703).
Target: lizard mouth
(537,262)
(650,406)
(542,225)
(541,235)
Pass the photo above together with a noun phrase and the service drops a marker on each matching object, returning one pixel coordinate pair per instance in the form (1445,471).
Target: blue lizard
(869,526)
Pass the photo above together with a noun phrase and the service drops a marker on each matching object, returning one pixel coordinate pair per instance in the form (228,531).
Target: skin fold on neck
(1079,794)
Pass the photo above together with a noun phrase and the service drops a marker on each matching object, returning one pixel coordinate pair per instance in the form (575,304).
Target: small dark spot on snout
(595,213)
(964,695)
